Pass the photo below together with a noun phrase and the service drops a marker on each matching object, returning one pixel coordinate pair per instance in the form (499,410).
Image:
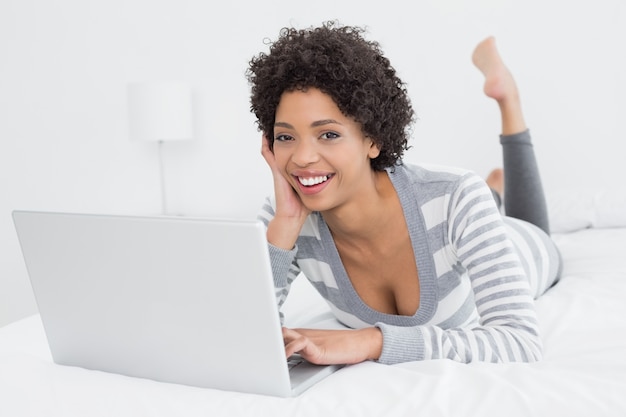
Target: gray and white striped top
(476,301)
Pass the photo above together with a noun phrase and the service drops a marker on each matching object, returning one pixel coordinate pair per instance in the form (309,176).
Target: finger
(267,153)
(304,346)
(290,335)
(297,346)
(294,342)
(265,145)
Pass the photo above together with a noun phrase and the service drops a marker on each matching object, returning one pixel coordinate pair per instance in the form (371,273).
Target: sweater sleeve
(284,266)
(507,330)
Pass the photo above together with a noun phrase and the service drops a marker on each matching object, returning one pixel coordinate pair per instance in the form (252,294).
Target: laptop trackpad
(304,374)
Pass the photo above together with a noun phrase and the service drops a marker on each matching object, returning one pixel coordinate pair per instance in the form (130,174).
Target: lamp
(160,111)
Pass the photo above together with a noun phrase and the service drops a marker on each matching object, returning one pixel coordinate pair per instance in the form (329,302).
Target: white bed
(583,372)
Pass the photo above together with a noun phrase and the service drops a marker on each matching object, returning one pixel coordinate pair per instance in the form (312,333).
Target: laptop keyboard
(294,360)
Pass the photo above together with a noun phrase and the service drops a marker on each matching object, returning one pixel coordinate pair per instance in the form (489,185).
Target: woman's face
(322,153)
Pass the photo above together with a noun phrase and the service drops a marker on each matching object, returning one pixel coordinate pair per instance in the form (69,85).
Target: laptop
(172,299)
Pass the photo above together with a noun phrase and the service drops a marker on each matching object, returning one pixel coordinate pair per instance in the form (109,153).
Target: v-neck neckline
(421,250)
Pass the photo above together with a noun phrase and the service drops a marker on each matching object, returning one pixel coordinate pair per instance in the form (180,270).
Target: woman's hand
(290,215)
(329,347)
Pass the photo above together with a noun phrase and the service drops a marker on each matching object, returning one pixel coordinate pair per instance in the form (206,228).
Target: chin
(320,206)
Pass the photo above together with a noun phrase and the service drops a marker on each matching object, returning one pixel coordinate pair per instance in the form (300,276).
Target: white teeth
(312,180)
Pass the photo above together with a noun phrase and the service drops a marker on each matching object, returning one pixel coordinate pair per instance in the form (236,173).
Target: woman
(417,261)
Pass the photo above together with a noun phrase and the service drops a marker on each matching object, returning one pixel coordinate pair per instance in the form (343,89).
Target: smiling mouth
(311,181)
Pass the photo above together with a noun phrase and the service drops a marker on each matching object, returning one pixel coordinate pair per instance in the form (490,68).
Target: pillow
(571,210)
(610,209)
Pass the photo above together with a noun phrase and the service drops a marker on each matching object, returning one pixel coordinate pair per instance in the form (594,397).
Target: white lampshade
(160,111)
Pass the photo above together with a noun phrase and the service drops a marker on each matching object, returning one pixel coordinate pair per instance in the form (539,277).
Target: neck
(362,218)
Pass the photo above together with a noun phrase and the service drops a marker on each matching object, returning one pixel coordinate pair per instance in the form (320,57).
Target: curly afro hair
(338,61)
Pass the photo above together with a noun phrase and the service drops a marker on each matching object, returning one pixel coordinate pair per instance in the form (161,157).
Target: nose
(305,152)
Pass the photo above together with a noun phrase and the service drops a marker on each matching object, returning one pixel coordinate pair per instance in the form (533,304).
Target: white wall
(64,66)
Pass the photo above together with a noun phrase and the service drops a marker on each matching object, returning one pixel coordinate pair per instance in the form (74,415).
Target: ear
(374,150)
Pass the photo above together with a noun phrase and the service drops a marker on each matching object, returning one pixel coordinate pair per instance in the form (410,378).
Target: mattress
(583,371)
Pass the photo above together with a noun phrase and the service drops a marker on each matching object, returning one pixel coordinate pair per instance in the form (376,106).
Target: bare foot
(495,181)
(499,85)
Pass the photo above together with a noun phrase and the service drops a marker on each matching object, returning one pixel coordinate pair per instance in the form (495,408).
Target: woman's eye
(330,135)
(282,138)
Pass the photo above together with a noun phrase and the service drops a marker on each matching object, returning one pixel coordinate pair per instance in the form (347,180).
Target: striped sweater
(476,301)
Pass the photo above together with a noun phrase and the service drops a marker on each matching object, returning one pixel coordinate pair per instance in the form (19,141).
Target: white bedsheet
(583,372)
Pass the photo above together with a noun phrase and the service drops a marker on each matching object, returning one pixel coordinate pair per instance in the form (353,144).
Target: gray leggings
(523,193)
(524,200)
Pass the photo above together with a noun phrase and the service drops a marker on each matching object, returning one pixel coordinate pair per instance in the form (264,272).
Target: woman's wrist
(374,342)
(283,232)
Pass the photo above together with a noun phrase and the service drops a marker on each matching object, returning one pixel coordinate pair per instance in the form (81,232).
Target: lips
(312,184)
(310,181)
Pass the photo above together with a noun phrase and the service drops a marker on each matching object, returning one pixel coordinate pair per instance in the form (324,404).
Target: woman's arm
(284,266)
(507,330)
(334,346)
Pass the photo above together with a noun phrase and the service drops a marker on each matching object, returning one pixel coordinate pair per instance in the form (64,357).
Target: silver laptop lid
(181,300)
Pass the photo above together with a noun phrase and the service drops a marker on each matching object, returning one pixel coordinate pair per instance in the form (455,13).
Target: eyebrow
(316,123)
